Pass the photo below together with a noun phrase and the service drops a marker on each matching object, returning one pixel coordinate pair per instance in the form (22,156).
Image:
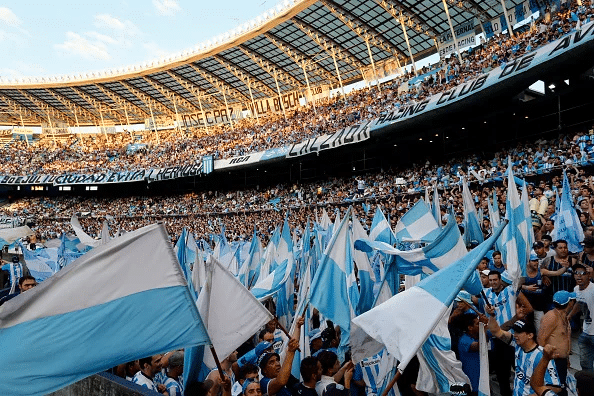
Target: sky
(60,37)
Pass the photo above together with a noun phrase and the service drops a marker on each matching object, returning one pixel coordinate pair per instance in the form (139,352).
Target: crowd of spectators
(92,153)
(396,190)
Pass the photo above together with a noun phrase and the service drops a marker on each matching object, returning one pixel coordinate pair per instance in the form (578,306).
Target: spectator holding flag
(276,376)
(527,355)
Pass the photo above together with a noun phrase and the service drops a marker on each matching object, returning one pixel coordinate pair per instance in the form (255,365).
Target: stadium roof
(258,59)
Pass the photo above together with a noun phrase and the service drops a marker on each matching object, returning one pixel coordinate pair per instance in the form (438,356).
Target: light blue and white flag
(567,222)
(365,273)
(268,263)
(472,229)
(445,249)
(267,287)
(230,312)
(418,310)
(334,289)
(484,385)
(515,236)
(527,216)
(380,228)
(42,262)
(106,301)
(438,366)
(249,269)
(436,207)
(418,224)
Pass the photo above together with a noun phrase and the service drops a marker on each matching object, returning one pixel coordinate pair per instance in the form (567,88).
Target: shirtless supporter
(556,331)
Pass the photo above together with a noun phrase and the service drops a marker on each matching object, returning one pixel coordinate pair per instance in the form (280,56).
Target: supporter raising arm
(276,376)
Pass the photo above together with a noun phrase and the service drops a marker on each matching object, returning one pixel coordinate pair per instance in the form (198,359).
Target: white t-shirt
(586,297)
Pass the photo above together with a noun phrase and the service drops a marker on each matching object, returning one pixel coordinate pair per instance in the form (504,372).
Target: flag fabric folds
(446,248)
(567,222)
(438,366)
(230,312)
(123,301)
(418,309)
(334,289)
(418,224)
(484,386)
(472,230)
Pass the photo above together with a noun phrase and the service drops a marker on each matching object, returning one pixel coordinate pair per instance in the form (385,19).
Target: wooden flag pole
(217,362)
(392,383)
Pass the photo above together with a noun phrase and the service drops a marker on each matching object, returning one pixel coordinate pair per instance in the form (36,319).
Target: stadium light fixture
(552,86)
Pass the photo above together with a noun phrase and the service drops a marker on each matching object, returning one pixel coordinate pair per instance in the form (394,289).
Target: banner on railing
(211,117)
(275,104)
(349,135)
(464,34)
(107,177)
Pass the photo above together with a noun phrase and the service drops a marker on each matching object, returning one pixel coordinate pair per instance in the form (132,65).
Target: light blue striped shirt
(502,302)
(525,364)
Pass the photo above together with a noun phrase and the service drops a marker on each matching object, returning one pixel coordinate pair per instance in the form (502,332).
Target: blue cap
(314,334)
(533,257)
(562,297)
(246,383)
(261,347)
(505,277)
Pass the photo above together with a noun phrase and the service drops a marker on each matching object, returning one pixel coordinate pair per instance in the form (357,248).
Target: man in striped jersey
(523,338)
(373,371)
(500,300)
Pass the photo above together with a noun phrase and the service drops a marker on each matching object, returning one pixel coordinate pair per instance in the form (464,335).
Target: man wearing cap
(555,330)
(587,256)
(584,292)
(534,288)
(528,354)
(315,341)
(275,375)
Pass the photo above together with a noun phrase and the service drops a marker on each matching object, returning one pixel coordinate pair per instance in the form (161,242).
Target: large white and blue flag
(567,222)
(334,290)
(418,310)
(484,388)
(230,312)
(515,236)
(380,228)
(42,263)
(418,224)
(472,229)
(436,207)
(249,269)
(107,301)
(365,273)
(445,249)
(438,366)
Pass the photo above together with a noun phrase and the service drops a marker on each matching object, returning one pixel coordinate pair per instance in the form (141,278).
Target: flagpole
(392,382)
(217,362)
(283,329)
